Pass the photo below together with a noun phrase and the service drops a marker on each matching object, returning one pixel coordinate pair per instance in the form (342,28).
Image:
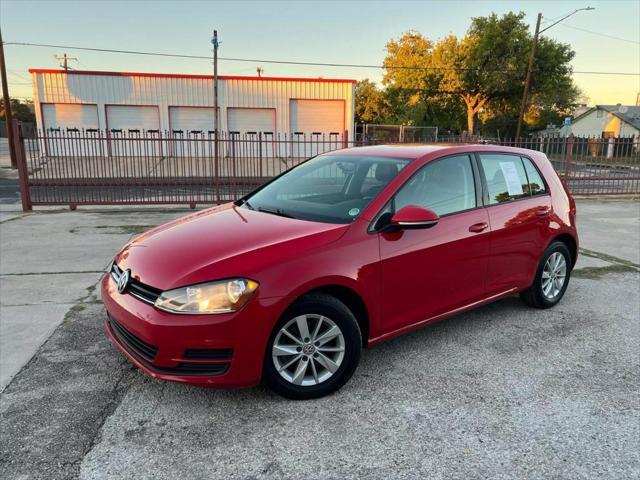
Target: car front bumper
(221,350)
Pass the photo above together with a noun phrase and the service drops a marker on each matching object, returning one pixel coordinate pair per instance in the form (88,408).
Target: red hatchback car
(346,250)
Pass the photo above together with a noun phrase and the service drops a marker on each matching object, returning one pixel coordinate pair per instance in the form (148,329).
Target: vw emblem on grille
(123,281)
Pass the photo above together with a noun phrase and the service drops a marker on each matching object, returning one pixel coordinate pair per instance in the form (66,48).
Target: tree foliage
(22,111)
(370,103)
(453,82)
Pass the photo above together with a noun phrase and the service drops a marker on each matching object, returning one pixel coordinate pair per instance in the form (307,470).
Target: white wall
(166,91)
(592,125)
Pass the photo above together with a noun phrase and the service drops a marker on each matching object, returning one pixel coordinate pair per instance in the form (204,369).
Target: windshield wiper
(245,202)
(275,211)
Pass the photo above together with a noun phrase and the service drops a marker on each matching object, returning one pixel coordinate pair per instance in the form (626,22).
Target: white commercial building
(123,101)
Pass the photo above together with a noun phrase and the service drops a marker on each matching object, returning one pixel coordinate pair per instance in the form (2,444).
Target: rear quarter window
(536,183)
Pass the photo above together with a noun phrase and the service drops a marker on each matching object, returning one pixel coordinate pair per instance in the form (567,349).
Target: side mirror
(412,217)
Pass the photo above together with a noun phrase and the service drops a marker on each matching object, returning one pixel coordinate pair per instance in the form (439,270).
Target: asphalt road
(502,392)
(9,191)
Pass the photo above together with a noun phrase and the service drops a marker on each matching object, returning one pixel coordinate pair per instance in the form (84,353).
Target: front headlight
(216,297)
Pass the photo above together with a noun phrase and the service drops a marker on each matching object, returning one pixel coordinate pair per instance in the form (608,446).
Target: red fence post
(569,156)
(21,161)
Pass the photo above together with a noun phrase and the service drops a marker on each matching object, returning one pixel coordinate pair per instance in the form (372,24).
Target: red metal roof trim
(181,75)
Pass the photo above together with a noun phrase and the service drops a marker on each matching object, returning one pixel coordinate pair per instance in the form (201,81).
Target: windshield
(329,188)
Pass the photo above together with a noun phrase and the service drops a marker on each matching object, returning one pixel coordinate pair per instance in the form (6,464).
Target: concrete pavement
(610,226)
(51,261)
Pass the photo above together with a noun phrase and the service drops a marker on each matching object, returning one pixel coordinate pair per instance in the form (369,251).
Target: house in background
(608,121)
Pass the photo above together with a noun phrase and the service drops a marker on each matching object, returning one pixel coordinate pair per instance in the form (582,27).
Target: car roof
(411,151)
(415,151)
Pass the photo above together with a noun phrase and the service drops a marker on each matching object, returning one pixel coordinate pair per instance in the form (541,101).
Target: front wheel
(314,348)
(552,277)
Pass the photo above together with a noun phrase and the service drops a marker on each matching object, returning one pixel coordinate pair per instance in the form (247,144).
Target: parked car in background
(344,251)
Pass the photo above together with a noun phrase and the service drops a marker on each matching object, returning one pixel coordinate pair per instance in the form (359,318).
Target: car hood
(220,242)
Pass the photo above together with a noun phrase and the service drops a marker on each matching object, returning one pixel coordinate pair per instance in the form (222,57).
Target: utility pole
(7,105)
(215,43)
(65,60)
(527,82)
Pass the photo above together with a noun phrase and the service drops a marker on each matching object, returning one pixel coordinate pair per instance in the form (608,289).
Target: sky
(317,31)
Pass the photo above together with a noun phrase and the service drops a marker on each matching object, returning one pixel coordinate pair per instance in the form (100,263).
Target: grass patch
(135,229)
(127,229)
(607,258)
(594,273)
(118,229)
(22,215)
(73,311)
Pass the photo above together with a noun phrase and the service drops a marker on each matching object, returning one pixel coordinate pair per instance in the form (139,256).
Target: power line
(285,62)
(231,59)
(600,34)
(21,77)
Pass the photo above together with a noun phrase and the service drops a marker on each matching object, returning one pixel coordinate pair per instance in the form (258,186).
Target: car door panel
(429,272)
(519,231)
(519,221)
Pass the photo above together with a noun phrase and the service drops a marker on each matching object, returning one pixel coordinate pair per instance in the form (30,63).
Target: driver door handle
(478,227)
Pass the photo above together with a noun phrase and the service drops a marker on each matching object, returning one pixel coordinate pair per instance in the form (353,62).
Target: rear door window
(505,176)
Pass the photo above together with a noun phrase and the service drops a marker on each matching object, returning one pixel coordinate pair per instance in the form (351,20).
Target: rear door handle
(478,227)
(543,211)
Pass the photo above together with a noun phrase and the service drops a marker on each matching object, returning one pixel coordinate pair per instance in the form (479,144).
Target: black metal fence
(96,167)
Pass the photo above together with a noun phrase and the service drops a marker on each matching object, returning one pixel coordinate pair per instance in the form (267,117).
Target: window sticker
(354,211)
(514,187)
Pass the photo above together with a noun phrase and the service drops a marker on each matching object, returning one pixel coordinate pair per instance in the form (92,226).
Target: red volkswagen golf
(346,250)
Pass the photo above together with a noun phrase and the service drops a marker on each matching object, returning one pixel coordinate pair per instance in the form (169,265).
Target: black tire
(333,309)
(534,295)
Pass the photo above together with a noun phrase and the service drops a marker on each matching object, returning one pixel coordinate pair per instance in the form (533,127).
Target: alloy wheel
(308,350)
(554,275)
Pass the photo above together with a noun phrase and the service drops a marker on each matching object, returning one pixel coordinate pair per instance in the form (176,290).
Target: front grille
(133,343)
(137,289)
(208,353)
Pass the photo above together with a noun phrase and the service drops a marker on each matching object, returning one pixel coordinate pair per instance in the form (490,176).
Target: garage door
(251,120)
(319,120)
(192,119)
(129,117)
(68,115)
(65,116)
(317,116)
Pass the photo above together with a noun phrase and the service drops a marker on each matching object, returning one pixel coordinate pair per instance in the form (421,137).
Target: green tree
(370,103)
(22,111)
(482,73)
(409,97)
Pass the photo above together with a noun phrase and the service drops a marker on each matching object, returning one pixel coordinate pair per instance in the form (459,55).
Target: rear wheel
(552,277)
(314,349)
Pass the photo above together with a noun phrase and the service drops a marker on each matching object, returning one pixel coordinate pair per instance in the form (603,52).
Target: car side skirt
(442,316)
